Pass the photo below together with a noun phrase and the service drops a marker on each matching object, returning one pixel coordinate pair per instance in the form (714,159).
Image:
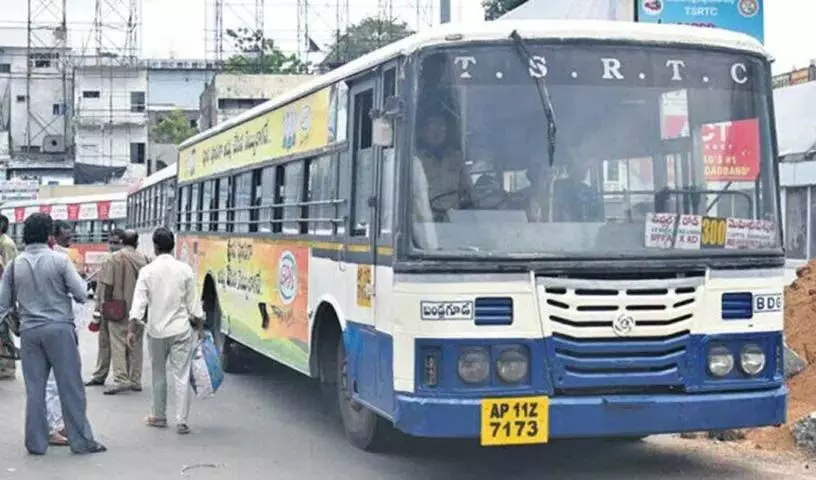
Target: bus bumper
(605,415)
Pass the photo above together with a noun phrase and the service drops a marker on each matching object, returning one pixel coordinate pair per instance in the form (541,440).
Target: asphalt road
(270,424)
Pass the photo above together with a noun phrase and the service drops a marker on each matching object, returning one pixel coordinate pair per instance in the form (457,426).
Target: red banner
(46,209)
(103,210)
(731,151)
(73,212)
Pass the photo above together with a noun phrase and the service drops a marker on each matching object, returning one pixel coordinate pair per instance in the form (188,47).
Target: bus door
(361,241)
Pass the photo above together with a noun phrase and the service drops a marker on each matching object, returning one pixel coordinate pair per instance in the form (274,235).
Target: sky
(179,28)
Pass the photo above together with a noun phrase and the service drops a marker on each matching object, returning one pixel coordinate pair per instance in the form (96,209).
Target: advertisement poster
(744,16)
(88,258)
(731,151)
(262,288)
(299,127)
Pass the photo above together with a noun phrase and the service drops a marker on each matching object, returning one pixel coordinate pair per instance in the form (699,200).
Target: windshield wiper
(543,94)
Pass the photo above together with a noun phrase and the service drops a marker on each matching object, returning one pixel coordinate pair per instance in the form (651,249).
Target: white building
(35,116)
(111,116)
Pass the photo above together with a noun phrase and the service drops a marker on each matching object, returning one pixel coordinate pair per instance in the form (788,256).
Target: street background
(271,424)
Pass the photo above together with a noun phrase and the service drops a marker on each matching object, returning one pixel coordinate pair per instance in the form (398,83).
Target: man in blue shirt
(44,283)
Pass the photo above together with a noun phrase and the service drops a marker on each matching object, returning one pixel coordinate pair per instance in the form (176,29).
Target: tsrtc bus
(151,204)
(514,231)
(92,217)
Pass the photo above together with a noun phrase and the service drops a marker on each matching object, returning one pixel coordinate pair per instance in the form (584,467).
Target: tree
(496,8)
(174,128)
(366,36)
(260,55)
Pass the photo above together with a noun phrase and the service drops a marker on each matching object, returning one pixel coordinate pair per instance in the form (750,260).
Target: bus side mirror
(382,132)
(383,121)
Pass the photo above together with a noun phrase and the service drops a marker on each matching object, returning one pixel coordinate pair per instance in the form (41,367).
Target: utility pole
(444,11)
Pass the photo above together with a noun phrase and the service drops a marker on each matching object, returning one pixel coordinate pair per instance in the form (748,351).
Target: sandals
(58,439)
(152,421)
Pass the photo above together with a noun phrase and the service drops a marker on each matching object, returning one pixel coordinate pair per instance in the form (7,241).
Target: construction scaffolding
(110,120)
(48,66)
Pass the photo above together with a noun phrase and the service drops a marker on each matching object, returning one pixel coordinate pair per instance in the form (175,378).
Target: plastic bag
(206,374)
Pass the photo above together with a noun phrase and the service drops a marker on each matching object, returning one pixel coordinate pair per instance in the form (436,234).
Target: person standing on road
(117,281)
(8,250)
(63,233)
(103,355)
(44,282)
(165,291)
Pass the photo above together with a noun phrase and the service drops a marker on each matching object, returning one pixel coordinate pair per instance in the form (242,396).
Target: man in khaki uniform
(8,250)
(103,352)
(117,281)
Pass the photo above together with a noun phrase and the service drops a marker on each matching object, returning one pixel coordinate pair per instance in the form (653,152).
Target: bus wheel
(231,362)
(365,429)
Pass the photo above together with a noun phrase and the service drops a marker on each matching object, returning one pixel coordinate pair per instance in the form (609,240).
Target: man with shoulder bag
(116,284)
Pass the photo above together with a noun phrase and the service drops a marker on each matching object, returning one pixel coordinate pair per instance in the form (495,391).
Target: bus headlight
(474,365)
(720,361)
(512,366)
(752,359)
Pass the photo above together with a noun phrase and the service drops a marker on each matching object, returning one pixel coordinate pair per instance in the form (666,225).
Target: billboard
(744,16)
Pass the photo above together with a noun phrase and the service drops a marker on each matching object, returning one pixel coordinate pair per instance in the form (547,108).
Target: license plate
(515,421)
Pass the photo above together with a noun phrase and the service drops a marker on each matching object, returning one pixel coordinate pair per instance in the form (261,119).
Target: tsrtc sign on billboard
(745,16)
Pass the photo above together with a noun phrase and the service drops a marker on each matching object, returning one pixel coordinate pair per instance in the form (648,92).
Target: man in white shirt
(165,291)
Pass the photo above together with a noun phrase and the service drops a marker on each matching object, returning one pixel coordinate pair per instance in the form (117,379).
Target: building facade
(35,114)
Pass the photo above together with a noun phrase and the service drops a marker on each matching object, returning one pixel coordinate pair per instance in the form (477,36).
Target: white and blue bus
(512,231)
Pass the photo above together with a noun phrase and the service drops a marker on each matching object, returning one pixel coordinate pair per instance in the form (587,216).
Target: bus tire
(231,361)
(363,428)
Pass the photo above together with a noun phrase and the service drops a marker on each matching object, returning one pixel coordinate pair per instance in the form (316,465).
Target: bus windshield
(657,149)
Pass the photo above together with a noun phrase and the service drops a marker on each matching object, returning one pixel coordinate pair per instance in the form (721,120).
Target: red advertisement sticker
(731,151)
(73,212)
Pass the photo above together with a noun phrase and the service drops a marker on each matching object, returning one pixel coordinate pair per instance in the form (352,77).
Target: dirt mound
(800,335)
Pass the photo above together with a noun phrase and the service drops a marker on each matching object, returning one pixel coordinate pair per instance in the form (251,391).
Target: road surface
(270,425)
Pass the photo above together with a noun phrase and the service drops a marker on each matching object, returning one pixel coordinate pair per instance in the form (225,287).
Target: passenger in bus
(575,201)
(449,186)
(8,250)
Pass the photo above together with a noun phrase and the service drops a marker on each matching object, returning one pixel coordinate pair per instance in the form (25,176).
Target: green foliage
(260,55)
(174,128)
(363,37)
(496,8)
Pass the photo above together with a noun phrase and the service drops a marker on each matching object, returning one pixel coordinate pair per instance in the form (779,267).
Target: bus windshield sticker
(454,310)
(667,230)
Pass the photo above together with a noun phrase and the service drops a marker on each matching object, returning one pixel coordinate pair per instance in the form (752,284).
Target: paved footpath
(270,425)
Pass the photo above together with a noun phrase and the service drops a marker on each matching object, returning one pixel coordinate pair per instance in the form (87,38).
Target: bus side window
(277,213)
(256,198)
(387,171)
(267,198)
(231,204)
(223,204)
(206,205)
(292,196)
(321,191)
